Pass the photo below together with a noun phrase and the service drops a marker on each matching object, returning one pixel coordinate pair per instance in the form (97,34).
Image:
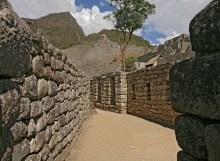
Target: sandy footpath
(115,137)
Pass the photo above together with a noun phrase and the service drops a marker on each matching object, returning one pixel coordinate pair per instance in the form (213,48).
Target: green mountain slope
(136,40)
(61,29)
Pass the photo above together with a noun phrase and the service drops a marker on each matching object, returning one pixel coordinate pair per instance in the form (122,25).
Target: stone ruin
(185,95)
(195,90)
(44,98)
(174,50)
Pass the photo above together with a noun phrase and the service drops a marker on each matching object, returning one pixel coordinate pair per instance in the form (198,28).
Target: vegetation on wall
(129,63)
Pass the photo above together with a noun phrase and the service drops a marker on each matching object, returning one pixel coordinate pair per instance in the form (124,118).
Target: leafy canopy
(130,14)
(129,62)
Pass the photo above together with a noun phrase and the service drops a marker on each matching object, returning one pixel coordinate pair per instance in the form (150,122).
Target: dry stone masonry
(44,98)
(195,90)
(109,92)
(144,93)
(149,94)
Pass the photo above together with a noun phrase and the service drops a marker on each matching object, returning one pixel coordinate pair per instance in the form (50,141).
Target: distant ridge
(61,29)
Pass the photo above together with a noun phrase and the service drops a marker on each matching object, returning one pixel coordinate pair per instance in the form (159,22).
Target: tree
(129,16)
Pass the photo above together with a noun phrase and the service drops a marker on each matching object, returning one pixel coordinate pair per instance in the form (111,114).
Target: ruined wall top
(205,29)
(15,42)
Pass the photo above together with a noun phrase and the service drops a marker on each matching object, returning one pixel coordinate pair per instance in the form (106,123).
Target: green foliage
(129,62)
(129,16)
(111,35)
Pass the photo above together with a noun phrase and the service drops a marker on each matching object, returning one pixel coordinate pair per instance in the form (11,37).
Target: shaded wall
(44,98)
(195,90)
(109,92)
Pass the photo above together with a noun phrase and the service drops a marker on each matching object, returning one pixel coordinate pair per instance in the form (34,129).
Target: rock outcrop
(195,90)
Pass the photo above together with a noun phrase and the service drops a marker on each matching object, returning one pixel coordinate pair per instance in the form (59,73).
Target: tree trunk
(123,60)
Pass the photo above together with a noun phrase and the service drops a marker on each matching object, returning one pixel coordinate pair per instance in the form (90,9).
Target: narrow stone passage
(114,137)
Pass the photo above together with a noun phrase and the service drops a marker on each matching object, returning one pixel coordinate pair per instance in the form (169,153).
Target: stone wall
(195,90)
(144,93)
(109,92)
(44,98)
(149,94)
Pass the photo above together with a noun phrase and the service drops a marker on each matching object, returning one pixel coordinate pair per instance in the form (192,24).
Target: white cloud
(91,20)
(173,16)
(102,4)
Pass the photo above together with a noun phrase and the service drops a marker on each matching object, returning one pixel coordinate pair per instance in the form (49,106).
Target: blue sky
(172,17)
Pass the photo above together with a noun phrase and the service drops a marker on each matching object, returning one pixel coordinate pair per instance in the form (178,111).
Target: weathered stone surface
(212,138)
(34,157)
(48,73)
(36,109)
(47,59)
(205,29)
(48,134)
(46,104)
(42,88)
(15,43)
(39,140)
(9,102)
(30,87)
(31,128)
(51,116)
(184,156)
(190,134)
(7,155)
(52,88)
(44,153)
(58,77)
(38,66)
(20,150)
(41,123)
(25,106)
(19,130)
(195,86)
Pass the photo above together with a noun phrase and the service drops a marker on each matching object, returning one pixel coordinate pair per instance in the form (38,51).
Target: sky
(172,17)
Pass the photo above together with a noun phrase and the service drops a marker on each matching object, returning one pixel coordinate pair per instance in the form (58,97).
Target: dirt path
(115,137)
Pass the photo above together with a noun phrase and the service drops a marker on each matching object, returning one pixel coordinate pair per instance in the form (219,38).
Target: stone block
(31,128)
(184,156)
(48,134)
(44,153)
(42,88)
(52,88)
(205,29)
(21,150)
(34,157)
(47,59)
(46,103)
(48,73)
(15,43)
(19,130)
(41,123)
(51,116)
(38,66)
(25,106)
(195,86)
(190,134)
(36,109)
(212,138)
(9,102)
(30,88)
(40,140)
(58,77)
